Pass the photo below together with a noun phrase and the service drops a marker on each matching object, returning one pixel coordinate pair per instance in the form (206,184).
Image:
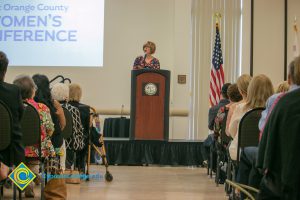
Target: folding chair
(248,134)
(5,132)
(31,129)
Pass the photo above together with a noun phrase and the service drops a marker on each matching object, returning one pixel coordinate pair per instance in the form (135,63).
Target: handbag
(55,188)
(72,176)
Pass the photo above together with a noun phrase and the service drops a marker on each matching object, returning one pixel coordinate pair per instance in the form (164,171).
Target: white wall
(268,49)
(128,25)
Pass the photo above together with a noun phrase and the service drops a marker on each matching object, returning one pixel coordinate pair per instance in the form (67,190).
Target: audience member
(284,86)
(279,149)
(234,96)
(75,143)
(248,172)
(242,84)
(43,95)
(27,86)
(212,113)
(259,90)
(11,96)
(75,95)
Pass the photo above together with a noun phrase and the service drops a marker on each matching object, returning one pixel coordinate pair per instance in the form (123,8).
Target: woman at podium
(147,61)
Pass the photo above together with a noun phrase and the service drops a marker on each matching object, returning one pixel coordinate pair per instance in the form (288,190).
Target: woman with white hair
(60,92)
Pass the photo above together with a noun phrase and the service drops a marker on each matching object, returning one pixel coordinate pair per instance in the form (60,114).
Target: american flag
(216,72)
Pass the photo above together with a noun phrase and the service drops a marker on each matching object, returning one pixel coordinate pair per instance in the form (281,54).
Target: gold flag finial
(295,24)
(218,16)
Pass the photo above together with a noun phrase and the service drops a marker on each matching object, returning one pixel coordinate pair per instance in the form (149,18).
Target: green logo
(22,176)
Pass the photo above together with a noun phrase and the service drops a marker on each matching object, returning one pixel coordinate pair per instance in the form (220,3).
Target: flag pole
(295,24)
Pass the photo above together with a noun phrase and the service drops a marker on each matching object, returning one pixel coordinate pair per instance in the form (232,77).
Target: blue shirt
(269,104)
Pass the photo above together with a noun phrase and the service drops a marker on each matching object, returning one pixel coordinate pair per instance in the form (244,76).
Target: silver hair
(60,92)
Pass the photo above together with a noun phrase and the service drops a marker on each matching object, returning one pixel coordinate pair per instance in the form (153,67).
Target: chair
(5,131)
(248,135)
(223,142)
(31,129)
(68,130)
(245,189)
(248,130)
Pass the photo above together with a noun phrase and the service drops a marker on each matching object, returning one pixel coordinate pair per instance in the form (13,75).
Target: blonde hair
(282,87)
(75,92)
(60,92)
(151,45)
(243,82)
(294,70)
(259,90)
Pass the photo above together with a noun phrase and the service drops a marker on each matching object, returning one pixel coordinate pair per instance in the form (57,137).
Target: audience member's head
(75,92)
(60,92)
(233,93)
(259,90)
(3,65)
(294,72)
(224,90)
(282,87)
(43,93)
(242,83)
(26,85)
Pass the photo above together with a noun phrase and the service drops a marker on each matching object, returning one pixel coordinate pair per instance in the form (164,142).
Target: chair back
(224,138)
(68,130)
(248,129)
(31,126)
(5,126)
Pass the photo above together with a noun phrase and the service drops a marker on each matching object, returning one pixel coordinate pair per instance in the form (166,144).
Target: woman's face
(147,50)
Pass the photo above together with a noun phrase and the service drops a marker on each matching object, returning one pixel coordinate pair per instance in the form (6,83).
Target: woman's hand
(138,67)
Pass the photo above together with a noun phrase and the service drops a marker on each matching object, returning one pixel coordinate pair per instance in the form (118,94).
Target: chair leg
(42,180)
(14,192)
(228,170)
(217,170)
(211,162)
(1,193)
(20,194)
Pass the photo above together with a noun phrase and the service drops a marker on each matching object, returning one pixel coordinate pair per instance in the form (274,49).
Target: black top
(279,148)
(11,96)
(85,118)
(213,111)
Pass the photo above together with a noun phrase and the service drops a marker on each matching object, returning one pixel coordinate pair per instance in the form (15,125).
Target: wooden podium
(150,96)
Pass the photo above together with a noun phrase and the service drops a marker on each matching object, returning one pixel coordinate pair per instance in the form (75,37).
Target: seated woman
(27,87)
(242,83)
(43,95)
(234,96)
(60,92)
(259,90)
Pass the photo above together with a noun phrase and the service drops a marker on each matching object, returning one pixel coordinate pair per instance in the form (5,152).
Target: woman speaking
(147,61)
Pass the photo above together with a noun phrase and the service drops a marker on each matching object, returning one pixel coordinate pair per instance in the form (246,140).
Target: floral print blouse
(47,128)
(140,61)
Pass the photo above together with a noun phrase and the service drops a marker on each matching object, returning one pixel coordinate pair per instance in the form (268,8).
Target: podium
(150,97)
